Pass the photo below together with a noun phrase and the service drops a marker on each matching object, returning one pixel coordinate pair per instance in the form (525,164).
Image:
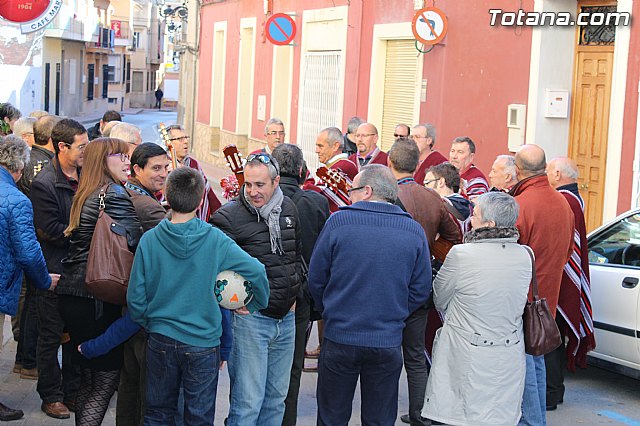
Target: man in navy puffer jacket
(19,248)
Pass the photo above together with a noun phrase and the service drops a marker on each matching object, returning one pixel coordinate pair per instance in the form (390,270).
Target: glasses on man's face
(427,182)
(264,159)
(352,190)
(123,157)
(276,132)
(395,135)
(364,135)
(80,147)
(178,138)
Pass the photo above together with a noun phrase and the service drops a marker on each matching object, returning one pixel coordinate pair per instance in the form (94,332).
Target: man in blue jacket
(19,248)
(369,270)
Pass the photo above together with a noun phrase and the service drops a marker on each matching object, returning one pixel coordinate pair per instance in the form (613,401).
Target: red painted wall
(474,76)
(630,117)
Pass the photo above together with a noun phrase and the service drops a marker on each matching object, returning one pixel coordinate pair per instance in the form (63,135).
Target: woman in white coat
(477,376)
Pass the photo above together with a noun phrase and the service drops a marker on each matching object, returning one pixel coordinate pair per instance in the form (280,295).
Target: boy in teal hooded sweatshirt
(171,295)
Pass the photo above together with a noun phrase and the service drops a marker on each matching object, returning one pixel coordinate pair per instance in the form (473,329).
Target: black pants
(415,362)
(291,401)
(50,386)
(340,366)
(28,336)
(133,381)
(555,362)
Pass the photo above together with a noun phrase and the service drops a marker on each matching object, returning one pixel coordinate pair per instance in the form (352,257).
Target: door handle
(629,282)
(584,186)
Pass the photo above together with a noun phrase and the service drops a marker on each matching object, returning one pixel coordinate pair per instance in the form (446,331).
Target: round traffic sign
(429,25)
(22,10)
(280,29)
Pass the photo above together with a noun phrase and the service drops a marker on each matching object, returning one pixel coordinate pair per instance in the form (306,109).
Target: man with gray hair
(274,134)
(424,135)
(42,151)
(349,146)
(128,133)
(24,129)
(373,258)
(575,317)
(329,147)
(503,173)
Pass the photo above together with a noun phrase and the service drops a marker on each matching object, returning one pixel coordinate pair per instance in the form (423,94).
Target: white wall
(171,89)
(552,57)
(25,90)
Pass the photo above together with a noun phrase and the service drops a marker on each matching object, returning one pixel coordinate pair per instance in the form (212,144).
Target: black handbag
(541,334)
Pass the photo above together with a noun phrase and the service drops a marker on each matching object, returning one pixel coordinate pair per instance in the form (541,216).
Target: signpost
(429,25)
(280,29)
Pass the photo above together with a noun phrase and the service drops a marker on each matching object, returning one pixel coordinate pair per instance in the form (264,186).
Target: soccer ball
(232,291)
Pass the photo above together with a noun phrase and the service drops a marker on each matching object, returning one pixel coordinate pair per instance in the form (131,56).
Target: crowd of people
(421,262)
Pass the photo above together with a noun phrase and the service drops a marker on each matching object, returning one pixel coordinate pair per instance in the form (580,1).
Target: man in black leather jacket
(264,223)
(313,210)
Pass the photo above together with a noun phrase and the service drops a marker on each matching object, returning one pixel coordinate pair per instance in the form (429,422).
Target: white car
(614,263)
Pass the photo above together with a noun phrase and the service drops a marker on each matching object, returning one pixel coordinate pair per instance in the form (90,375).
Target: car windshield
(618,244)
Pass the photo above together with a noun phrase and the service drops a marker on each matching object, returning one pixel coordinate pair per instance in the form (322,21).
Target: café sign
(32,15)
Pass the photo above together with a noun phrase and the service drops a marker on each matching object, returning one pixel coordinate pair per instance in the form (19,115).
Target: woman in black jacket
(105,163)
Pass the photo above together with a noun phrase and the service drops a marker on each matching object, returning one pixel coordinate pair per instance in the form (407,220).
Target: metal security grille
(319,102)
(399,89)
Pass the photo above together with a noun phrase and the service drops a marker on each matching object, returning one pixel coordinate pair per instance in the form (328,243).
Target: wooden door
(590,125)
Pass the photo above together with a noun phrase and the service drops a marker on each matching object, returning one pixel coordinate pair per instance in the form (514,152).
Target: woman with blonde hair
(106,163)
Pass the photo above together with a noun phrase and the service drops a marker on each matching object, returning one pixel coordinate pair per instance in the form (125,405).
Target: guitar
(231,184)
(441,248)
(234,161)
(337,183)
(167,141)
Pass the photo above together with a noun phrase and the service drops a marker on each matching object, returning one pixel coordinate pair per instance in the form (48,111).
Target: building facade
(572,90)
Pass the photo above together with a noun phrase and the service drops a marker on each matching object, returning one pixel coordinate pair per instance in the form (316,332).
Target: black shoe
(8,414)
(405,419)
(552,407)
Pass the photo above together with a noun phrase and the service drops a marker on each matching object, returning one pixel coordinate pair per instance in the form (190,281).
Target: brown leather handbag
(541,334)
(110,261)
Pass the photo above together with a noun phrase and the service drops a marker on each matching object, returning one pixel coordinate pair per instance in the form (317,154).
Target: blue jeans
(259,368)
(534,400)
(172,364)
(339,368)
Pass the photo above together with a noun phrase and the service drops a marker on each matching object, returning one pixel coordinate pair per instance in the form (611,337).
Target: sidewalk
(94,117)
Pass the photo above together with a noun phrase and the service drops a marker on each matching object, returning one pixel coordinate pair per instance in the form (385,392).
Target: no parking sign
(280,29)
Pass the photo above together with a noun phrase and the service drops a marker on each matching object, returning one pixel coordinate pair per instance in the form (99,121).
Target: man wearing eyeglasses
(401,131)
(428,209)
(369,270)
(42,151)
(52,193)
(424,135)
(264,223)
(128,133)
(180,141)
(274,134)
(368,151)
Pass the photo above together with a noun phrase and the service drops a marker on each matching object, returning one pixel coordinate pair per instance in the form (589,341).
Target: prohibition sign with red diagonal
(280,29)
(429,25)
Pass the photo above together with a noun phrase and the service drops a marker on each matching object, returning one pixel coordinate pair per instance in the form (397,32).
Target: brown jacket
(428,209)
(148,209)
(546,225)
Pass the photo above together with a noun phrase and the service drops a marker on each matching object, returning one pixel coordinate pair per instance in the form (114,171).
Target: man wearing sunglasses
(274,134)
(424,135)
(369,270)
(180,141)
(401,131)
(265,224)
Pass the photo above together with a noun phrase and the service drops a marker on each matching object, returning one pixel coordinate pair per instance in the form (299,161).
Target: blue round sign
(281,29)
